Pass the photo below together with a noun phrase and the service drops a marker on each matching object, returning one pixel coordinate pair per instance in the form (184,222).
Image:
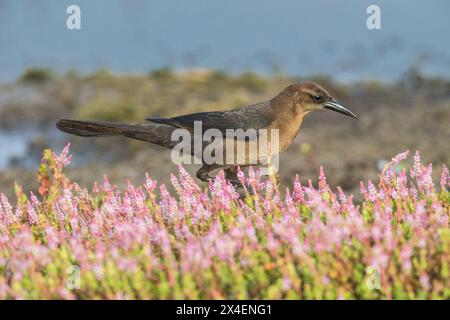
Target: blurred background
(133,59)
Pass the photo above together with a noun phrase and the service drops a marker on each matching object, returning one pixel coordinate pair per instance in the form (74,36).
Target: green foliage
(36,76)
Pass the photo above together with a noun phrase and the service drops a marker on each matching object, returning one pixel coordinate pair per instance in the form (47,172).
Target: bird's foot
(276,179)
(236,183)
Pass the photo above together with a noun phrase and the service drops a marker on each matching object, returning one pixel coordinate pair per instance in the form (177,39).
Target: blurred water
(12,145)
(300,37)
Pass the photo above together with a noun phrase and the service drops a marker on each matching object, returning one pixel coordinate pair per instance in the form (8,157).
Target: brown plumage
(284,112)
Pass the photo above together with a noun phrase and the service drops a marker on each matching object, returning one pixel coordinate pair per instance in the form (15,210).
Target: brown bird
(284,113)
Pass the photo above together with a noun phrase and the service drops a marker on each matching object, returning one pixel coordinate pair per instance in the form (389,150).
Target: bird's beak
(334,105)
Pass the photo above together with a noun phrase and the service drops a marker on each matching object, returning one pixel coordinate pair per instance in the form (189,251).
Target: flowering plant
(304,243)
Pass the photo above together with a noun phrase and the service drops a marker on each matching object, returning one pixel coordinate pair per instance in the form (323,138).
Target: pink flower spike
(400,157)
(445,178)
(323,186)
(64,158)
(417,168)
(297,193)
(32,215)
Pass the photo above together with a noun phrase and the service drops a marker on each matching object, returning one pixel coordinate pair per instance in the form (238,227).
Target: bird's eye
(317,99)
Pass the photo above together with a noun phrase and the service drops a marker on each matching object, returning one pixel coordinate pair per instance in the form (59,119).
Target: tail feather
(159,134)
(91,128)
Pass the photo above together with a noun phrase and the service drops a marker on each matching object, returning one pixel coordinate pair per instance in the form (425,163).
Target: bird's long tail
(159,134)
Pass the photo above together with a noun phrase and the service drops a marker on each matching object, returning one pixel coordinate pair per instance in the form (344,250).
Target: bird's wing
(250,117)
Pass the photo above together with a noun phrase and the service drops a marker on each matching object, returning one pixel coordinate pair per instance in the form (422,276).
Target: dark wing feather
(256,117)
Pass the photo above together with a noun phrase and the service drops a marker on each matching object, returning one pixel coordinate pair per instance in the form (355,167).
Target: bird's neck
(286,119)
(288,126)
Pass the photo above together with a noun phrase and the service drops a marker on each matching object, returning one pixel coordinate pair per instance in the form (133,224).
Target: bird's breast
(288,130)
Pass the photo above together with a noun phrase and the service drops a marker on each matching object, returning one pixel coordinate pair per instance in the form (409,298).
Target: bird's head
(308,96)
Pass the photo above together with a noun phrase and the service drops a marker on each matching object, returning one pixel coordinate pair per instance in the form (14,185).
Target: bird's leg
(276,179)
(231,176)
(272,174)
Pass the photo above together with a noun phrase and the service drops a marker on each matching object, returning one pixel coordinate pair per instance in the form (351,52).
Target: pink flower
(64,158)
(32,216)
(425,281)
(372,194)
(6,211)
(400,157)
(323,186)
(139,242)
(417,168)
(297,193)
(445,178)
(405,256)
